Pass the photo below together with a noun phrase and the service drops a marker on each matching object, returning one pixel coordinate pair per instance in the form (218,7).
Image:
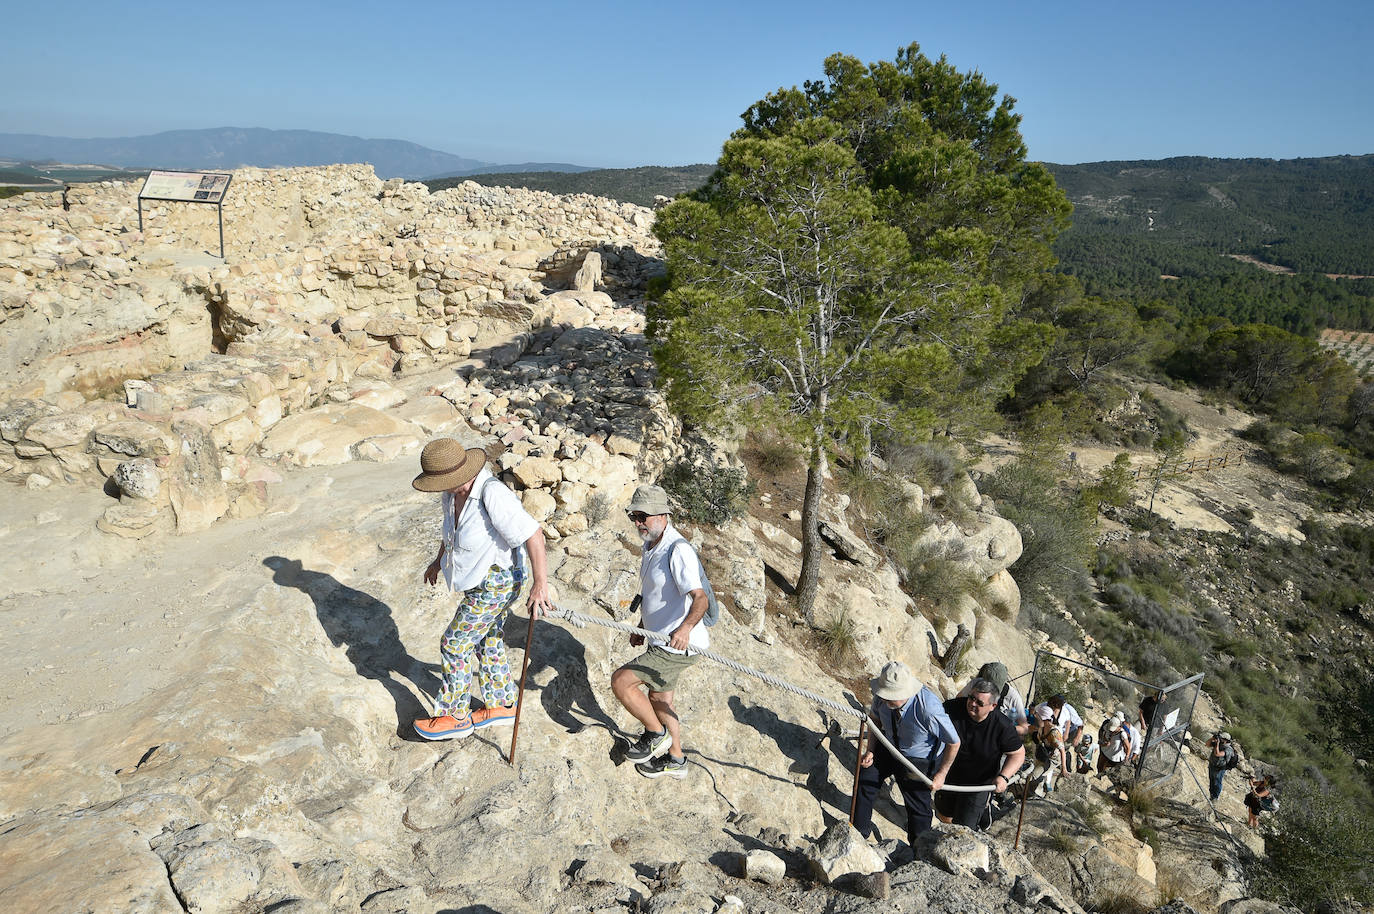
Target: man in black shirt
(1149,708)
(984,739)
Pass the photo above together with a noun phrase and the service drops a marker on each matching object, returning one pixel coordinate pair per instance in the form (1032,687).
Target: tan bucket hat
(651,500)
(895,682)
(445,464)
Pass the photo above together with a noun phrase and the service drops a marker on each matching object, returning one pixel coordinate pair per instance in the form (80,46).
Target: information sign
(185,186)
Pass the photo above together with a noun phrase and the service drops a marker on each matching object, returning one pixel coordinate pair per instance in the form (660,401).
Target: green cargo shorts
(659,669)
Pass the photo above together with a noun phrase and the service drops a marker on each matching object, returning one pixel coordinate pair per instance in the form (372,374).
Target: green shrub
(707,494)
(1118,901)
(1319,848)
(775,454)
(1141,801)
(597,508)
(1055,531)
(1090,812)
(1063,840)
(940,574)
(1052,678)
(839,638)
(928,463)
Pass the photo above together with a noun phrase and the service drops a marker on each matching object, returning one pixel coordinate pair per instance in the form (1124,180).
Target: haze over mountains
(235,147)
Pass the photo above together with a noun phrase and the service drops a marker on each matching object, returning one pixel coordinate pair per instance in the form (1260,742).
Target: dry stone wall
(311,343)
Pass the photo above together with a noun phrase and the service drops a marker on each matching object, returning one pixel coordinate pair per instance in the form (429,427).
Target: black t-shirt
(981,745)
(1147,708)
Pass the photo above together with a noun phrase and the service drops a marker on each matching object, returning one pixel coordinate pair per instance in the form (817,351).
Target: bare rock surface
(217,635)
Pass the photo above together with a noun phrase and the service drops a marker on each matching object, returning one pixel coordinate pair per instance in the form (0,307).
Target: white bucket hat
(895,682)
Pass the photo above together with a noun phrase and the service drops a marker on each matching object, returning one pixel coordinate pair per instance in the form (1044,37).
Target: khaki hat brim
(474,458)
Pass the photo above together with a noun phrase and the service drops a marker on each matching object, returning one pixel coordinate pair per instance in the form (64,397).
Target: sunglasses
(980,704)
(637,517)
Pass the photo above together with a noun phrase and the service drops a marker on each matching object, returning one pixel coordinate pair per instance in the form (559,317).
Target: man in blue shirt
(912,718)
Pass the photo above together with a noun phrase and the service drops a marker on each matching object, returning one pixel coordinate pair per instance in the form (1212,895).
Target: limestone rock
(133,438)
(955,849)
(589,276)
(534,472)
(61,430)
(132,521)
(847,544)
(842,851)
(17,415)
(195,484)
(406,900)
(215,874)
(326,436)
(540,504)
(764,866)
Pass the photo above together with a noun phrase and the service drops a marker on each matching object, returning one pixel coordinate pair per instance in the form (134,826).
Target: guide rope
(578,620)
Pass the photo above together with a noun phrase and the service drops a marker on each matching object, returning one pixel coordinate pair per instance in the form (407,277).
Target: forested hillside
(1163,230)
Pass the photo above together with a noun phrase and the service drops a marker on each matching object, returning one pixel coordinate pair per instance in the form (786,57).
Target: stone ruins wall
(135,361)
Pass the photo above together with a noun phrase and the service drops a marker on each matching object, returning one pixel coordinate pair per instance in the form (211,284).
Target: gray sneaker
(648,745)
(663,765)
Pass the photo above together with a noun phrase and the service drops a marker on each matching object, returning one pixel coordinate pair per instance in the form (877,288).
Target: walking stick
(520,698)
(858,763)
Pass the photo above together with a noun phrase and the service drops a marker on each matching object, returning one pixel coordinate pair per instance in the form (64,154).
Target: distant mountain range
(234,147)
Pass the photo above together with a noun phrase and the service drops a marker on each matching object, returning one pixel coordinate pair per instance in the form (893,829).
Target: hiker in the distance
(1050,750)
(479,559)
(1260,798)
(1067,719)
(1221,758)
(673,603)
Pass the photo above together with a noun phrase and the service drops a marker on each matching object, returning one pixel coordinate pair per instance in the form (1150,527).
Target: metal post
(520,698)
(220,207)
(858,764)
(140,214)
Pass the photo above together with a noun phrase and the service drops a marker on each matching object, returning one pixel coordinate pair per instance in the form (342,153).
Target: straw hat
(445,465)
(895,682)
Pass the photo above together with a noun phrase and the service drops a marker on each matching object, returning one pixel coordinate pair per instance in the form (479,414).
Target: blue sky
(621,83)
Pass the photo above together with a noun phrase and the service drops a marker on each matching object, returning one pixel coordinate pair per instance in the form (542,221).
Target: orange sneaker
(498,716)
(445,726)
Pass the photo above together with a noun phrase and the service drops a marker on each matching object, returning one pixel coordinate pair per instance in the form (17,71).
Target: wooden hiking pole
(858,764)
(520,698)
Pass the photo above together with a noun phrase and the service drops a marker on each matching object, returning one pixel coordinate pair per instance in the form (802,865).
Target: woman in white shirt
(479,558)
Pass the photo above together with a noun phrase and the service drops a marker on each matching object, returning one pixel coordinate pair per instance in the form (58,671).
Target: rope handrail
(578,620)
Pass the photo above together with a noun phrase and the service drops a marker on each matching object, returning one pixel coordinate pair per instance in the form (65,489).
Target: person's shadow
(568,699)
(804,746)
(361,621)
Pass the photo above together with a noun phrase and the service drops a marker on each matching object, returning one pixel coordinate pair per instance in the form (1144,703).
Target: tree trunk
(949,663)
(809,579)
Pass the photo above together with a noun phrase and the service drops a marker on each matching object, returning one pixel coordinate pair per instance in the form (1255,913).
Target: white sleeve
(508,516)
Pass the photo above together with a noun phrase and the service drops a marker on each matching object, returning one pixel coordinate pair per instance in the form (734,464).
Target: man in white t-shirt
(673,603)
(479,558)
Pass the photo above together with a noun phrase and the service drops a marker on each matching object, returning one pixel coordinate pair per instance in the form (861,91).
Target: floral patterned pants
(474,643)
